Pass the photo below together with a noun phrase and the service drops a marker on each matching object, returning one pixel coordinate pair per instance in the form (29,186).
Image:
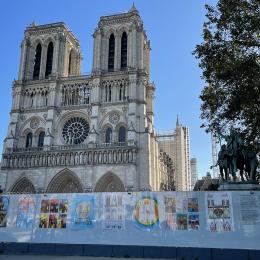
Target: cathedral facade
(81,133)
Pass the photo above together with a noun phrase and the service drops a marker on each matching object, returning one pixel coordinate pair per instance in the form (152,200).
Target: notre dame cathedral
(84,133)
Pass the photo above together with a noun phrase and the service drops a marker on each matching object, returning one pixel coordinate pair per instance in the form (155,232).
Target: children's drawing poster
(219,212)
(53,213)
(82,211)
(113,211)
(146,210)
(25,212)
(4,204)
(181,212)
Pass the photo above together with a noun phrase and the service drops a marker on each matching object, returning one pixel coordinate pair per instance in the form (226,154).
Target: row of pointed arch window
(49,61)
(119,95)
(111,52)
(29,140)
(38,58)
(121,135)
(108,137)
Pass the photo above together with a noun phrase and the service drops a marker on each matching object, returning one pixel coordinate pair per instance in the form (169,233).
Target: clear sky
(174,27)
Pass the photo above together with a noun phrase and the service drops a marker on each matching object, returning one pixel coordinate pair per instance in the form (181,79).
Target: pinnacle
(133,8)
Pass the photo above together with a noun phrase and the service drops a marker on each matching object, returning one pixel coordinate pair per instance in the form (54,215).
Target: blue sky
(174,28)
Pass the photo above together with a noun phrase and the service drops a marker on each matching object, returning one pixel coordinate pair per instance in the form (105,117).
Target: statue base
(238,186)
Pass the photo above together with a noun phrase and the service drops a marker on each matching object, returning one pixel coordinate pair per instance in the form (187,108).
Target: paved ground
(33,257)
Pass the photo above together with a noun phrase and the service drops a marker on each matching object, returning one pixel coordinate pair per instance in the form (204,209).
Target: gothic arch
(49,59)
(23,185)
(109,183)
(111,52)
(67,115)
(65,182)
(72,63)
(36,41)
(48,40)
(37,61)
(121,30)
(38,131)
(109,32)
(124,52)
(121,132)
(26,124)
(105,118)
(103,132)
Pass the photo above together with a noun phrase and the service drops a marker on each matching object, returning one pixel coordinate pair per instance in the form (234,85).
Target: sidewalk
(36,257)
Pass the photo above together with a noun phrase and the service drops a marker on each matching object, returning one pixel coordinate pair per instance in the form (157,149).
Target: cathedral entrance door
(110,183)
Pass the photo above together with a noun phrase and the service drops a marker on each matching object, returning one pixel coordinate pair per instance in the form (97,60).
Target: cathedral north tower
(49,50)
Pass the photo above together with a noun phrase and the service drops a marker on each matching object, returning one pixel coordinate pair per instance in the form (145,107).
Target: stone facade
(72,133)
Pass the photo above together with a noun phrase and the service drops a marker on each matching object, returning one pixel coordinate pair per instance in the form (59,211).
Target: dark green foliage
(230,60)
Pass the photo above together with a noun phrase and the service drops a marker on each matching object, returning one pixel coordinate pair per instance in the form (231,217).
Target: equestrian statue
(234,156)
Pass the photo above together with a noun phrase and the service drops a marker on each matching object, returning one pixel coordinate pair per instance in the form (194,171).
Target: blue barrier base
(181,253)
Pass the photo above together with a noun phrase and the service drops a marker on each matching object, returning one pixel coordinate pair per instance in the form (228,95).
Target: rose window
(75,130)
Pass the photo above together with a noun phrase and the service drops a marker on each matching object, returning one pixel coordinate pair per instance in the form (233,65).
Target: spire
(133,8)
(177,120)
(33,24)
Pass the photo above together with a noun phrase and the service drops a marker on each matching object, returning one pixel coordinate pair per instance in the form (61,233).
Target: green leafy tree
(230,60)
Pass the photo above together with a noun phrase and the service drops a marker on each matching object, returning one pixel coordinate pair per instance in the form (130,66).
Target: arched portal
(65,182)
(109,183)
(23,185)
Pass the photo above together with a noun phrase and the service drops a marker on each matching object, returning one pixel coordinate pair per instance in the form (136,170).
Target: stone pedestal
(238,186)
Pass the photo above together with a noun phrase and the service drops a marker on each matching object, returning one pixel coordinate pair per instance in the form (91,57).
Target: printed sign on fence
(113,211)
(219,212)
(53,213)
(181,212)
(82,212)
(25,212)
(4,204)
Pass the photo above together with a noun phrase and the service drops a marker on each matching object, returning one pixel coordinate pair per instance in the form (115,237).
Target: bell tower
(120,43)
(49,50)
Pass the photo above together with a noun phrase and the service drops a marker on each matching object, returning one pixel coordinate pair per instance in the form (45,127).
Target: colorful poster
(193,222)
(4,204)
(181,212)
(113,211)
(219,212)
(170,204)
(182,222)
(193,205)
(25,212)
(170,212)
(82,215)
(146,211)
(53,213)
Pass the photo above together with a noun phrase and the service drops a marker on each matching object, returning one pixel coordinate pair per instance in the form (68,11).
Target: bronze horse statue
(236,156)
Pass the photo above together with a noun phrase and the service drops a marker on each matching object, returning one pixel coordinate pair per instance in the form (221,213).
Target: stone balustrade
(71,157)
